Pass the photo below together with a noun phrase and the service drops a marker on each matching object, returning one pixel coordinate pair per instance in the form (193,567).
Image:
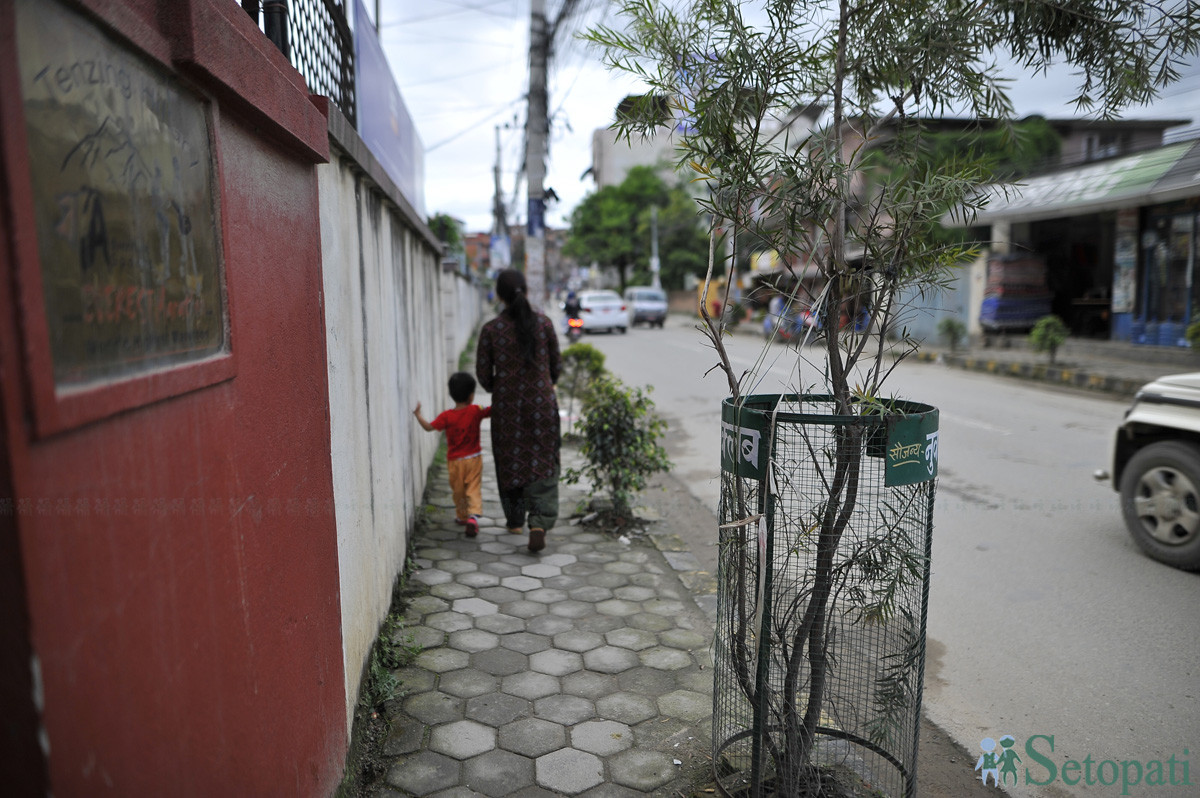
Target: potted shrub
(827,497)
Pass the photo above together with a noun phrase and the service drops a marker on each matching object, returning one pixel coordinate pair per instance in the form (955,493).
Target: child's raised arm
(425,425)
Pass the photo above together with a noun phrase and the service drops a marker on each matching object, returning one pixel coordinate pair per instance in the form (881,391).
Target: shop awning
(1162,175)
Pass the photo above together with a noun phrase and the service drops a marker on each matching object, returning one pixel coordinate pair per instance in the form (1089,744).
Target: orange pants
(466,483)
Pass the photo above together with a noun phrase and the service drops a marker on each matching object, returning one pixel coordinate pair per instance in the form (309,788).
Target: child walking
(464,455)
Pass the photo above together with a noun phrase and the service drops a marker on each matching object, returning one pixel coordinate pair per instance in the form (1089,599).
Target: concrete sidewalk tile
(618,607)
(532,737)
(555,662)
(497,709)
(474,607)
(565,709)
(472,640)
(590,593)
(501,569)
(500,662)
(468,683)
(650,622)
(682,560)
(546,595)
(575,640)
(564,582)
(501,595)
(642,770)
(499,623)
(525,642)
(498,773)
(530,685)
(462,739)
(416,680)
(458,567)
(630,638)
(601,737)
(523,584)
(634,593)
(569,771)
(686,705)
(424,773)
(667,607)
(478,579)
(586,684)
(646,681)
(684,638)
(524,609)
(442,660)
(449,621)
(668,541)
(548,624)
(404,738)
(665,659)
(571,608)
(626,707)
(610,659)
(431,576)
(434,708)
(541,570)
(452,591)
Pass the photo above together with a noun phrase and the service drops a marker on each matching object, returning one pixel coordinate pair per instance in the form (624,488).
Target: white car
(603,310)
(646,305)
(1156,469)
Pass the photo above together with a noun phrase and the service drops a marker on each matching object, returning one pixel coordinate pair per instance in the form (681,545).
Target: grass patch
(381,688)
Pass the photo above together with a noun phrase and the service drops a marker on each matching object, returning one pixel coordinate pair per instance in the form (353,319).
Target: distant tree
(447,230)
(611,226)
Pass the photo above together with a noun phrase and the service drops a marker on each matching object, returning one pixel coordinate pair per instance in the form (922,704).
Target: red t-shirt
(462,430)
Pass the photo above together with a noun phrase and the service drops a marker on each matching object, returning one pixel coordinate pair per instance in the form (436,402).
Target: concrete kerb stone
(1040,372)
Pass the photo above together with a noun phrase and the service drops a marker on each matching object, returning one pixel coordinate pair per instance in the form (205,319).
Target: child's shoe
(472,527)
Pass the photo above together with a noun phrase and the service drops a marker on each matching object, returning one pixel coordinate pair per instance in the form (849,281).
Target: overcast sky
(462,68)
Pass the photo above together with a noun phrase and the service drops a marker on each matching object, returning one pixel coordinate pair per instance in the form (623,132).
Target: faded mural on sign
(121,174)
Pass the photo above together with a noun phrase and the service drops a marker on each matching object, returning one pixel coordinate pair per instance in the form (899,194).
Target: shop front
(1118,239)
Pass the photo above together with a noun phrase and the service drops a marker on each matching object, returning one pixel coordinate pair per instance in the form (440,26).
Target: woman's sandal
(537,539)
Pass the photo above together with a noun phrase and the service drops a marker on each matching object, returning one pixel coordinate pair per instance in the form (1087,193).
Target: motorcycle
(574,329)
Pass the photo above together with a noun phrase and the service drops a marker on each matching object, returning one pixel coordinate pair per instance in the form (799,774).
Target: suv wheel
(1160,498)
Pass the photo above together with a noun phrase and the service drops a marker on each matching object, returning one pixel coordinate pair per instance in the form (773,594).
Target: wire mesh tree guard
(826,527)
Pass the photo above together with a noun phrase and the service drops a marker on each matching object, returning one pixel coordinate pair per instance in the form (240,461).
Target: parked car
(646,305)
(603,310)
(1156,470)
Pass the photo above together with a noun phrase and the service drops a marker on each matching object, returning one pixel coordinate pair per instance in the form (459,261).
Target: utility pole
(535,156)
(655,281)
(500,254)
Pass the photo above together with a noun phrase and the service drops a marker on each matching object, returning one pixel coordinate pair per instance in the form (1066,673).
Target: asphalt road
(1044,617)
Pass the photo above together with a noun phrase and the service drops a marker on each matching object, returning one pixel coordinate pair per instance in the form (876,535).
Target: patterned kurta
(525,423)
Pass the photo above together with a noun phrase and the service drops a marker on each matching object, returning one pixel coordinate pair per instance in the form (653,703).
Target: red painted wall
(180,556)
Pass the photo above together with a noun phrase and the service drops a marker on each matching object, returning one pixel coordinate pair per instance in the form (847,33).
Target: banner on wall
(1125,261)
(383,120)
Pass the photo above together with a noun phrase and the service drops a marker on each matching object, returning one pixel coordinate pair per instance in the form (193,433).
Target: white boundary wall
(395,325)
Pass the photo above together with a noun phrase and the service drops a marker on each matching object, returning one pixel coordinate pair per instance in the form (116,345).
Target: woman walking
(517,361)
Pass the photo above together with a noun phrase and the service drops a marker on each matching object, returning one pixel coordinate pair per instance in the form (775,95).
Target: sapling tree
(741,79)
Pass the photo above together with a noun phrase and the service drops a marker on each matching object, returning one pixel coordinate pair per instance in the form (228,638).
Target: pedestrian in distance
(464,454)
(517,361)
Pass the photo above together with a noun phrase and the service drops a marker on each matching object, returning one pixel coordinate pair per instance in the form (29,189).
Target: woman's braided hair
(510,287)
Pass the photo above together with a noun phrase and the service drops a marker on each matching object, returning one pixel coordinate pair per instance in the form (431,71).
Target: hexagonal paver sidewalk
(583,670)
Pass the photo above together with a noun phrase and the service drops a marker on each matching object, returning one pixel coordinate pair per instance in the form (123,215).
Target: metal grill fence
(780,553)
(318,42)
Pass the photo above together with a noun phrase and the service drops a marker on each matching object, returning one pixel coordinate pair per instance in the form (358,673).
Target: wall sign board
(121,173)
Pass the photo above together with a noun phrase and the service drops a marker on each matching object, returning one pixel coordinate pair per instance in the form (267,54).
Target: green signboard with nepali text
(911,454)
